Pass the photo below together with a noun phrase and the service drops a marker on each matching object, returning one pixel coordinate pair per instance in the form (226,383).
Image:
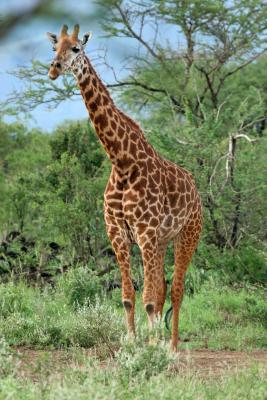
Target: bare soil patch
(37,364)
(217,363)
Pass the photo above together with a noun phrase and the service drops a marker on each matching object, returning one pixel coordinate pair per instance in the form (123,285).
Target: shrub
(96,324)
(6,364)
(247,264)
(79,286)
(143,360)
(16,298)
(243,264)
(116,298)
(78,138)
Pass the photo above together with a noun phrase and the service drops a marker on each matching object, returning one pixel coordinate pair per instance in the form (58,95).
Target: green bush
(17,298)
(247,264)
(116,298)
(92,325)
(79,139)
(141,360)
(48,318)
(79,286)
(96,325)
(244,264)
(6,362)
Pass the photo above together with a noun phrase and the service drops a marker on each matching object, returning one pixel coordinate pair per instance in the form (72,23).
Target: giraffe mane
(130,121)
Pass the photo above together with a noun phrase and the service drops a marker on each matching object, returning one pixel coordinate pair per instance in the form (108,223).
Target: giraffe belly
(170,228)
(167,230)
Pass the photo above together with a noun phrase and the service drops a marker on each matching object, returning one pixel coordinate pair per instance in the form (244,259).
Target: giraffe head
(68,49)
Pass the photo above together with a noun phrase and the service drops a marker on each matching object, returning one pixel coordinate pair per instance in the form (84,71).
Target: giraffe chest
(121,211)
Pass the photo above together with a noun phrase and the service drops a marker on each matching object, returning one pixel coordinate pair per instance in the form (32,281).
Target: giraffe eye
(75,49)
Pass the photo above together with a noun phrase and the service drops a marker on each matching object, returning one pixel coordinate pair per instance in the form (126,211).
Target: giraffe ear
(52,37)
(87,36)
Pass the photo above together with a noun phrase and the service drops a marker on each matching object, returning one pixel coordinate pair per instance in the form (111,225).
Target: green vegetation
(52,215)
(202,105)
(118,367)
(215,317)
(137,371)
(93,383)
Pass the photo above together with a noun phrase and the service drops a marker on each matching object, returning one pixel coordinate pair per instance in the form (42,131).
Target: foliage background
(199,91)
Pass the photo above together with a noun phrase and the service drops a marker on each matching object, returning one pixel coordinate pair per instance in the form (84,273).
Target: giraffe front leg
(122,251)
(160,288)
(160,282)
(148,248)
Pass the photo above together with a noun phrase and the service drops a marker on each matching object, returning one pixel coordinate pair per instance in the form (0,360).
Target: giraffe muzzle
(53,73)
(54,70)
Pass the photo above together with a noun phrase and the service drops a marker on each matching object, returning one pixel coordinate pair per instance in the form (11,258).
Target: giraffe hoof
(174,347)
(127,305)
(150,308)
(131,336)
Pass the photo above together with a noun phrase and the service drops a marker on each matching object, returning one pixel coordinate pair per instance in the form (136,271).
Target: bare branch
(209,81)
(238,68)
(133,33)
(242,135)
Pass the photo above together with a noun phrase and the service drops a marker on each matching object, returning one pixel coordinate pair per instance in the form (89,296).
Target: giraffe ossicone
(148,200)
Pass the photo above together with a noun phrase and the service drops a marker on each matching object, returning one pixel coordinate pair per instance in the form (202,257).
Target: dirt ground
(217,363)
(204,363)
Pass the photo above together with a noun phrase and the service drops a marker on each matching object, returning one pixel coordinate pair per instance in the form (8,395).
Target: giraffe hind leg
(184,247)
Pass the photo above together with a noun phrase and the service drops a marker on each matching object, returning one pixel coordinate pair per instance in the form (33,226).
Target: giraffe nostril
(52,63)
(58,65)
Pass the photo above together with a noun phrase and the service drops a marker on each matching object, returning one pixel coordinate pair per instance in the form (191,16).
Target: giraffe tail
(168,317)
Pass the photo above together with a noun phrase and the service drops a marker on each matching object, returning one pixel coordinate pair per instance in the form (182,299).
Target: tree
(51,192)
(201,94)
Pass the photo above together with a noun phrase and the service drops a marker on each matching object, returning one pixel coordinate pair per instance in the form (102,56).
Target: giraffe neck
(119,134)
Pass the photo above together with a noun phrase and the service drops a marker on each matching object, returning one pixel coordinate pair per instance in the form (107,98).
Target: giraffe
(148,200)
